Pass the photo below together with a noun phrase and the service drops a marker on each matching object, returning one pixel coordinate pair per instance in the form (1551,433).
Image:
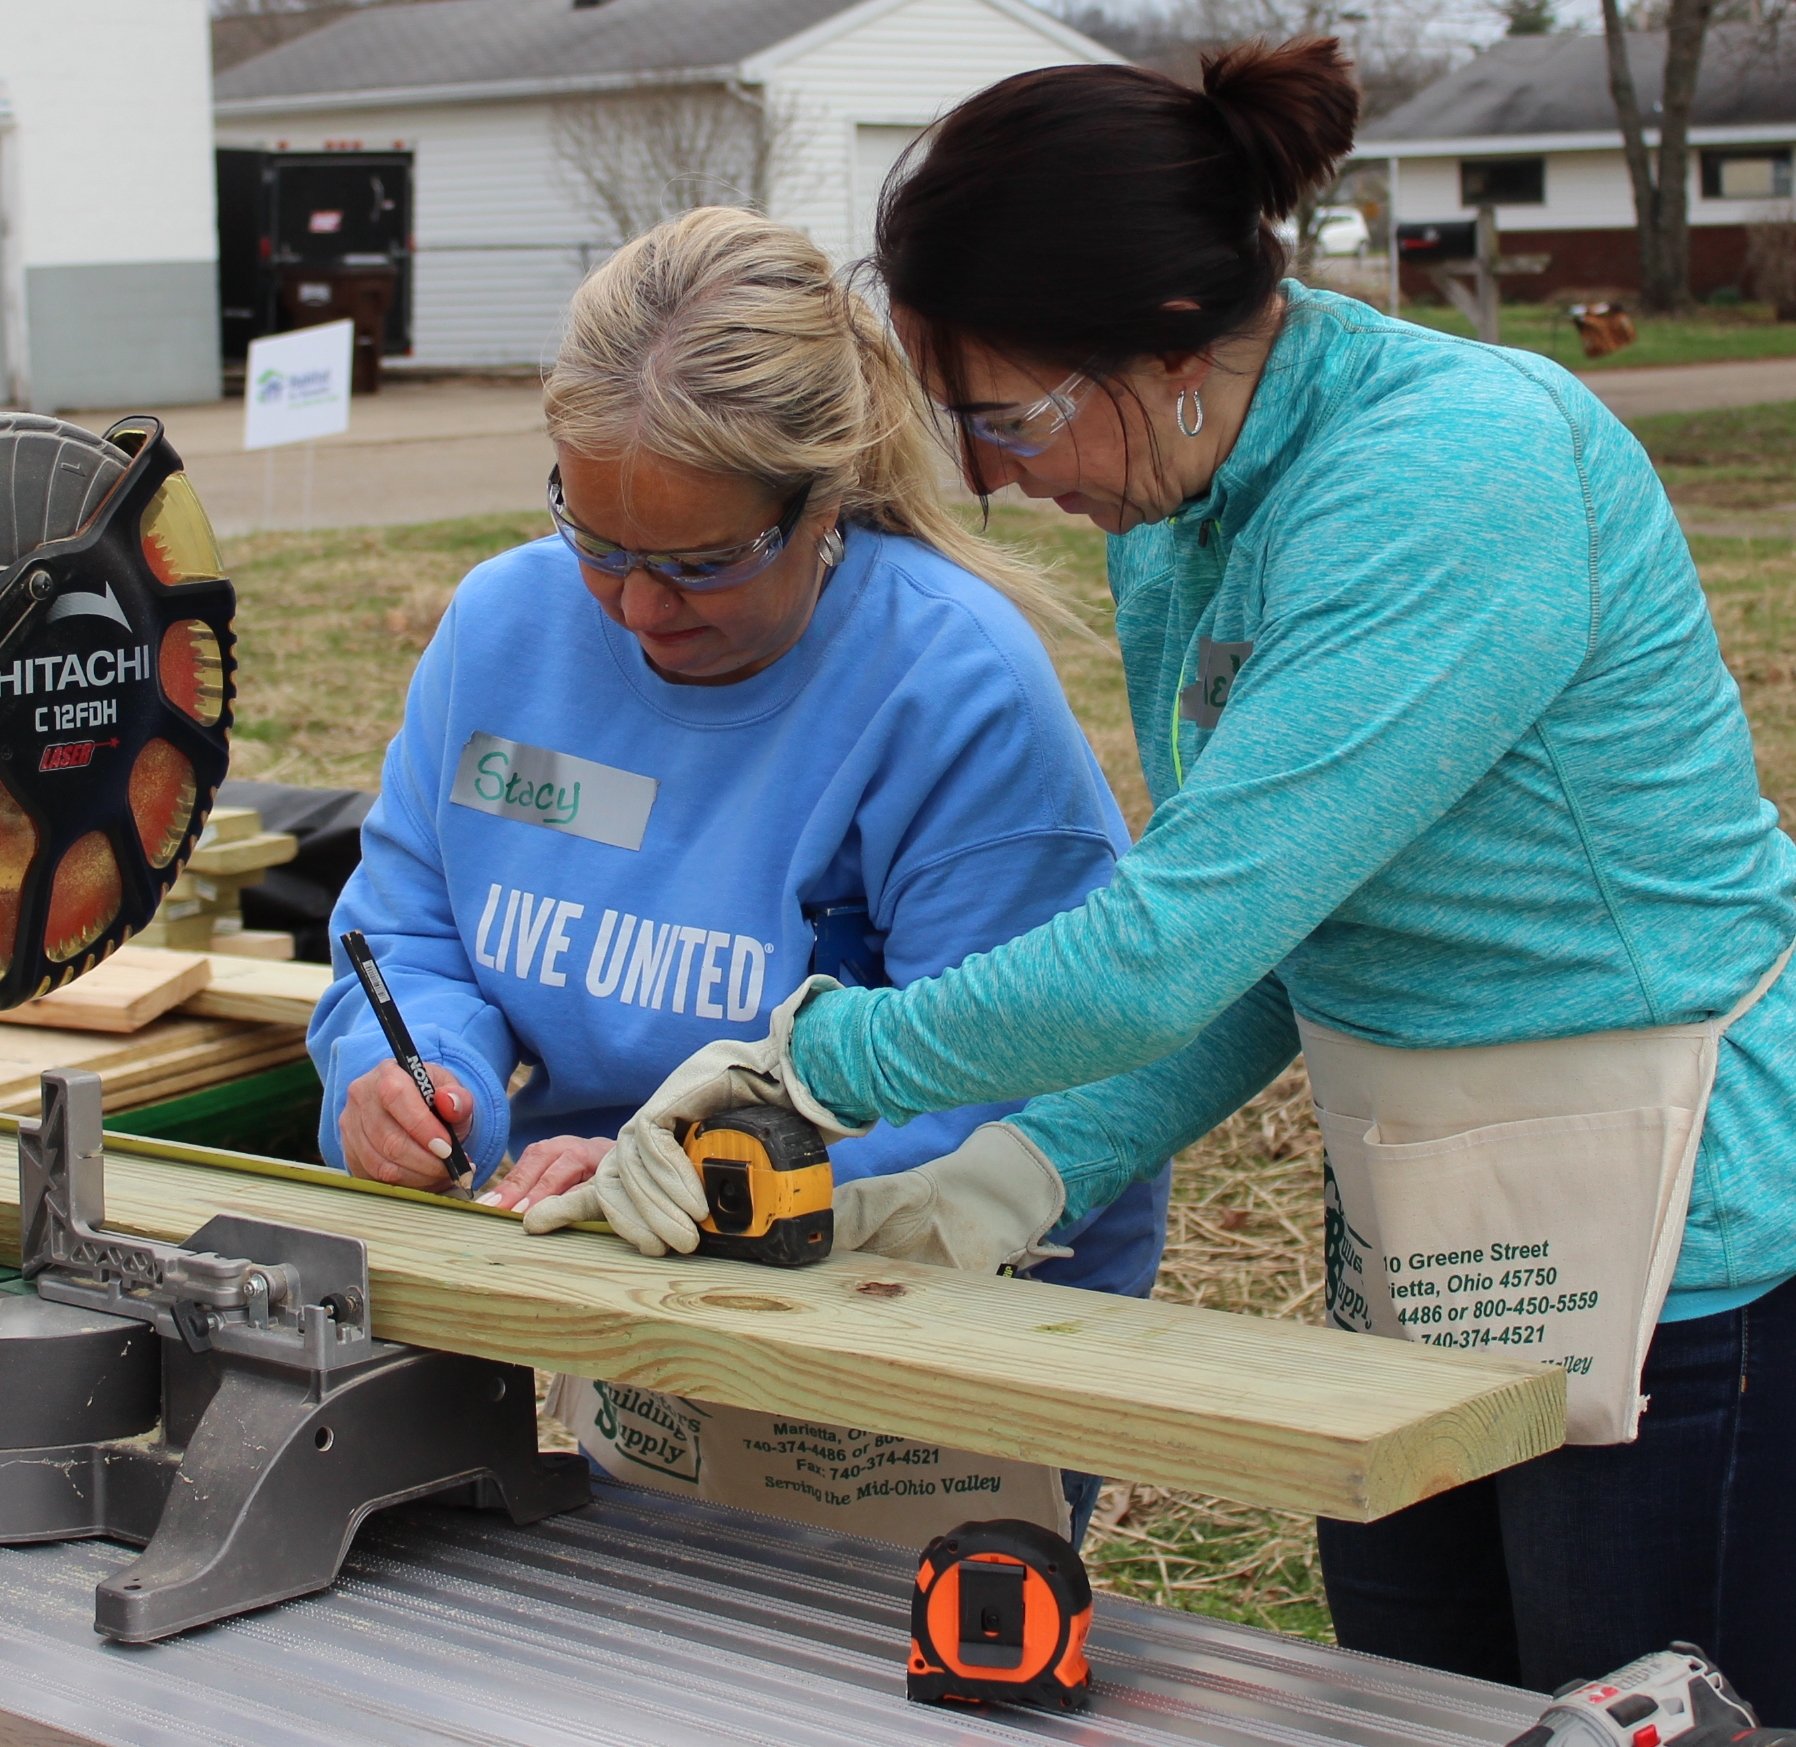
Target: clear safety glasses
(1030,429)
(722,567)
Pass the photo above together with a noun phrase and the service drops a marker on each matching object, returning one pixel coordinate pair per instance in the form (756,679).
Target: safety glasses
(1030,429)
(722,567)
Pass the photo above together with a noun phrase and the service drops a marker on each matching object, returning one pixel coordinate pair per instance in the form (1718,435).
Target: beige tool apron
(835,1477)
(1520,1198)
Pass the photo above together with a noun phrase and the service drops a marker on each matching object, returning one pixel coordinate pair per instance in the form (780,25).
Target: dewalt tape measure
(768,1184)
(999,1616)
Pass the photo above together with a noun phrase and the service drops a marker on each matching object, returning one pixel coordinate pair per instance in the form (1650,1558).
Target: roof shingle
(506,42)
(1560,84)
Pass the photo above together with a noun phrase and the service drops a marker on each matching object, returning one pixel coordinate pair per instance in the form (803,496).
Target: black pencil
(405,1052)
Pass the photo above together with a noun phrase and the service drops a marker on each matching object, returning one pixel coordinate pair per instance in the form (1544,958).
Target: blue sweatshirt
(912,752)
(1442,751)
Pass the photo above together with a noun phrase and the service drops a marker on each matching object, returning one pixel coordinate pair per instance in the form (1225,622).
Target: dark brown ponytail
(1056,215)
(1289,110)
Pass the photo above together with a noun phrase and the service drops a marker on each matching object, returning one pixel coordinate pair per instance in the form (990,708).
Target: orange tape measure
(999,1616)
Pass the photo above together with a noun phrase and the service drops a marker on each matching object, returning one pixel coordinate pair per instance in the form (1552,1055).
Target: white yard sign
(296,386)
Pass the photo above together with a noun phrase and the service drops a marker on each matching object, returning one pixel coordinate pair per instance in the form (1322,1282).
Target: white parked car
(1338,230)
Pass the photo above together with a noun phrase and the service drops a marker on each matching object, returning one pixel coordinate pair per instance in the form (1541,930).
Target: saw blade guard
(116,669)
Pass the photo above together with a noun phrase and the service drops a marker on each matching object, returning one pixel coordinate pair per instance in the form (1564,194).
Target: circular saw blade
(116,671)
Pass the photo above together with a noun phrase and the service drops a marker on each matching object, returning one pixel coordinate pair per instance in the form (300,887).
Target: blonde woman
(759,706)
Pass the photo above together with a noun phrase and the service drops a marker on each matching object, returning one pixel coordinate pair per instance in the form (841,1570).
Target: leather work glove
(646,1186)
(987,1205)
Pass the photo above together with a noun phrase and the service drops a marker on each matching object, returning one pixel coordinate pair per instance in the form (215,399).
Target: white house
(1530,127)
(108,244)
(471,89)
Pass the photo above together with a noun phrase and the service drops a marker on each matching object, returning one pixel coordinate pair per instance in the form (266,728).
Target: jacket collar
(1290,404)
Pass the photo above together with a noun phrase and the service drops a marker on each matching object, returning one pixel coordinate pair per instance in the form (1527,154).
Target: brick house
(1529,126)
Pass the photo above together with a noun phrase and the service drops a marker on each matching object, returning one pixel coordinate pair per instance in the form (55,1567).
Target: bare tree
(1397,45)
(635,158)
(1528,17)
(1660,181)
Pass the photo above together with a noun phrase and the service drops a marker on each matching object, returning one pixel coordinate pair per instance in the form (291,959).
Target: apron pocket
(1549,1239)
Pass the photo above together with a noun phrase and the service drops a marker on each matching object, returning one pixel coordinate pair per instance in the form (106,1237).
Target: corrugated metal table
(650,1622)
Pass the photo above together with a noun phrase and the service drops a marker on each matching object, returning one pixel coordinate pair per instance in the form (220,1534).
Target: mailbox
(1454,239)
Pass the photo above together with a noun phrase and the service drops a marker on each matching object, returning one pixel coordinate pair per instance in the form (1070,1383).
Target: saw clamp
(223,1403)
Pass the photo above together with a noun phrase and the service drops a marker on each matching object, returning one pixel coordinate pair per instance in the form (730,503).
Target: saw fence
(1262,1412)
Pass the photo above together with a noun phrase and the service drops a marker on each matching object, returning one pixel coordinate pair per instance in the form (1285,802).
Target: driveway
(1632,394)
(418,451)
(422,451)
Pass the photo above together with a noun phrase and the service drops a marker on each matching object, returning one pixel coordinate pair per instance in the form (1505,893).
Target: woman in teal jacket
(1452,791)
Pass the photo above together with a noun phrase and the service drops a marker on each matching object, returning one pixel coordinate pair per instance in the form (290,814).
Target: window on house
(1747,173)
(1502,181)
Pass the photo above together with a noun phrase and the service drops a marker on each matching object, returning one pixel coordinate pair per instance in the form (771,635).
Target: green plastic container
(274,1113)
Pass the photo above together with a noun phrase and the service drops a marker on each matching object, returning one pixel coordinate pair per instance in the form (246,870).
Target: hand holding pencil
(404,1121)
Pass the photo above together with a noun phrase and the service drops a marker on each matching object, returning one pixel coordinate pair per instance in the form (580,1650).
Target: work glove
(646,1186)
(986,1206)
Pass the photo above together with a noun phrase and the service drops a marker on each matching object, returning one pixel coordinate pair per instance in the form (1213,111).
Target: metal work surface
(644,1621)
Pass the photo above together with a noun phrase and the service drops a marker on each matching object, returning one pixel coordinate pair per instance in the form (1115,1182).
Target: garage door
(876,150)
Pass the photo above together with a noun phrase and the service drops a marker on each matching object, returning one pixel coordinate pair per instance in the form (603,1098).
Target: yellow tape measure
(284,1170)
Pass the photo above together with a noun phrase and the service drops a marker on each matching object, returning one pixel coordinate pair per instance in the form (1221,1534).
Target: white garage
(487,94)
(108,253)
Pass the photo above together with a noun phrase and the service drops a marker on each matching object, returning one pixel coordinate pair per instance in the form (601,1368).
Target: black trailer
(286,212)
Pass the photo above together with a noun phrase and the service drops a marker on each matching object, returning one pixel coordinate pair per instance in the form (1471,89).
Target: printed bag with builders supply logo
(834,1477)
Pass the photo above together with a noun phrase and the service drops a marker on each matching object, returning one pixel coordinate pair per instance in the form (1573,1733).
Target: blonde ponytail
(722,340)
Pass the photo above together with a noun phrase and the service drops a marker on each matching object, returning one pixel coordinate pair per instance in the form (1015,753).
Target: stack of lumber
(1266,1413)
(153,1024)
(203,909)
(168,1057)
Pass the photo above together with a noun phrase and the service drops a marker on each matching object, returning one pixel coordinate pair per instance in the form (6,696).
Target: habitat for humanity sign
(296,386)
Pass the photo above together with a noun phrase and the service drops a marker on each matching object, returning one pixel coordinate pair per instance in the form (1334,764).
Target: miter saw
(221,1402)
(115,689)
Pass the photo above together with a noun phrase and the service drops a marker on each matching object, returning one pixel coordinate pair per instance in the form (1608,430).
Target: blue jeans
(1574,1563)
(1080,1491)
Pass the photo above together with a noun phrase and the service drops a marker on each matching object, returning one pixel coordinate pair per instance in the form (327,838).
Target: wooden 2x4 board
(169,1056)
(121,994)
(1264,1412)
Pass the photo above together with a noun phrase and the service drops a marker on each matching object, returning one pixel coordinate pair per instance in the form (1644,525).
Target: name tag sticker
(540,787)
(1217,665)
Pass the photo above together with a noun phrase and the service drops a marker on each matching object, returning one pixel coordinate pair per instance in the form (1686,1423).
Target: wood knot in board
(744,1301)
(880,1289)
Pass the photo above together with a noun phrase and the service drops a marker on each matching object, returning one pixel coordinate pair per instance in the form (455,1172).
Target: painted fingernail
(523,1206)
(489,1199)
(439,1147)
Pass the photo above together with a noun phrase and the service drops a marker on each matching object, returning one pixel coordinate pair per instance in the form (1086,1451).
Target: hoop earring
(829,548)
(1197,409)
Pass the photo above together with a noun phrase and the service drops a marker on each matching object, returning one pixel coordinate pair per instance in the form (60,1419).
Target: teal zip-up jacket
(1442,752)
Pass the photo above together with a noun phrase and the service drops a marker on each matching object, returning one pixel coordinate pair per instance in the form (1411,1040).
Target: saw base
(221,1404)
(254,1483)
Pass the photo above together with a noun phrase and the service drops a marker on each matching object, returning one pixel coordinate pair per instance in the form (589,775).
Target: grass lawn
(1731,467)
(1711,336)
(331,623)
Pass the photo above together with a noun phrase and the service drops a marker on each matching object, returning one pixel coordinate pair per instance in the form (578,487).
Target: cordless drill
(1676,1695)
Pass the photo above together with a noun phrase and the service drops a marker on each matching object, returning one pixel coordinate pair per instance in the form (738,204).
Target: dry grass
(330,625)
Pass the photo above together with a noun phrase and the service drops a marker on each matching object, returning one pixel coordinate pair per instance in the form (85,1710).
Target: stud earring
(1197,412)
